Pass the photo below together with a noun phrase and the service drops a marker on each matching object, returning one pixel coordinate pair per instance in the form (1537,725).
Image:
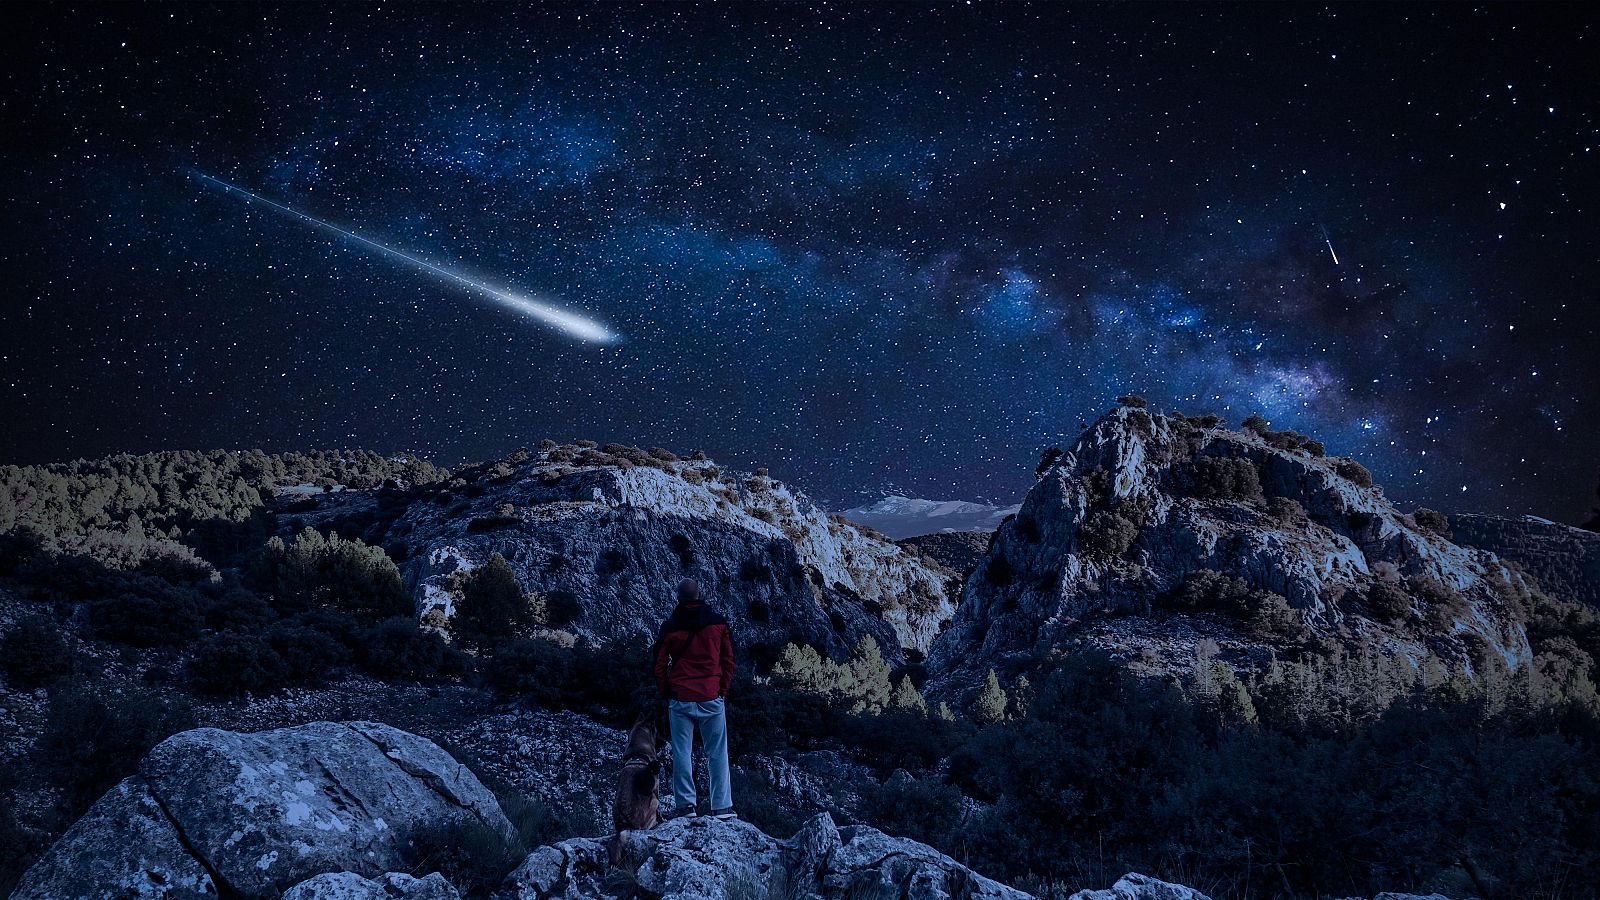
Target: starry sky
(874,248)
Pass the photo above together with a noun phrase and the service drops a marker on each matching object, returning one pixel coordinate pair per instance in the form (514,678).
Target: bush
(1133,401)
(1224,478)
(231,665)
(1388,602)
(309,654)
(538,672)
(398,648)
(1285,511)
(923,810)
(146,613)
(95,733)
(1352,471)
(33,653)
(1433,520)
(1107,534)
(1261,614)
(493,607)
(237,609)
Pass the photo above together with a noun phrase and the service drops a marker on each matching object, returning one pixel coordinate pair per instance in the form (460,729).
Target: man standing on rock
(693,668)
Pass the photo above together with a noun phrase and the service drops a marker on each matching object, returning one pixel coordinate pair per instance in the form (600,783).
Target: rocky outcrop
(1101,549)
(608,539)
(706,858)
(1564,560)
(1134,886)
(216,812)
(389,886)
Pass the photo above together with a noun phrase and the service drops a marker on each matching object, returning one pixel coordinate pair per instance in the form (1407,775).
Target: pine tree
(870,675)
(1021,697)
(945,713)
(990,707)
(493,607)
(907,698)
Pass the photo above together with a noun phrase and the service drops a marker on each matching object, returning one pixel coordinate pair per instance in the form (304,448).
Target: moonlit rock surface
(258,813)
(1050,596)
(390,886)
(708,859)
(618,539)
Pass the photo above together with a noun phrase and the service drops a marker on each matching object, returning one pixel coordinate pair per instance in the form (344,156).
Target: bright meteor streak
(570,323)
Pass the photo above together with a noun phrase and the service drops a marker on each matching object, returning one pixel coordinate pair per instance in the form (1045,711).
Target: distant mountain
(903,517)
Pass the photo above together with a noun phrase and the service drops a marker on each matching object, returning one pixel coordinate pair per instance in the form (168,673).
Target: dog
(637,807)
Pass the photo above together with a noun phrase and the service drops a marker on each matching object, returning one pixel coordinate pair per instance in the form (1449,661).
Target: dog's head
(642,737)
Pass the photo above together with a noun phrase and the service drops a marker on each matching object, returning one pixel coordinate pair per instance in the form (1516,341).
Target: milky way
(869,248)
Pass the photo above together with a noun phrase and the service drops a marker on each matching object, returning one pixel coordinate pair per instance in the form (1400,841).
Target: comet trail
(567,322)
(1329,241)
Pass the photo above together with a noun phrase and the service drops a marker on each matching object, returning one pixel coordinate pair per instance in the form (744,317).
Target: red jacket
(694,656)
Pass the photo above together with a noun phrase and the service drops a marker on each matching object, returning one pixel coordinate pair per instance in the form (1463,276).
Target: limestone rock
(390,886)
(1134,886)
(1142,501)
(611,539)
(691,859)
(254,814)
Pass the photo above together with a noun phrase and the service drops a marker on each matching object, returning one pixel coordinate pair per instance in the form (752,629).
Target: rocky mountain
(903,517)
(1564,560)
(1156,533)
(606,534)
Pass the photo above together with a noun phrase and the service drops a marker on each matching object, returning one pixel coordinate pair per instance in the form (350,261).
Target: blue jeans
(684,716)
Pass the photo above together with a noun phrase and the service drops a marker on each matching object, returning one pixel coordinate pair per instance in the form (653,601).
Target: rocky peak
(1252,538)
(614,529)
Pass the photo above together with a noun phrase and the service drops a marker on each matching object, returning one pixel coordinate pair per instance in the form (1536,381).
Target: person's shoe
(684,813)
(724,814)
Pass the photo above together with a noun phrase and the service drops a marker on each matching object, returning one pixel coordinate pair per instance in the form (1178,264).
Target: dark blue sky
(869,247)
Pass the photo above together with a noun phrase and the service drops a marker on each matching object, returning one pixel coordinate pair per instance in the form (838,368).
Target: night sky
(891,247)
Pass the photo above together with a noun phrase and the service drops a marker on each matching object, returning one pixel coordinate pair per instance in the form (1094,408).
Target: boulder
(389,886)
(1134,886)
(690,859)
(216,812)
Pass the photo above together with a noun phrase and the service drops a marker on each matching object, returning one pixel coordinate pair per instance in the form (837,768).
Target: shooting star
(1329,241)
(568,323)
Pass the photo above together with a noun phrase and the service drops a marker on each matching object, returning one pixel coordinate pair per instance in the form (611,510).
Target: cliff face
(1155,532)
(615,537)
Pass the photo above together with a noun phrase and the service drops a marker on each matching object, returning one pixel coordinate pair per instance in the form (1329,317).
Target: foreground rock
(1157,534)
(701,859)
(391,886)
(217,812)
(1134,886)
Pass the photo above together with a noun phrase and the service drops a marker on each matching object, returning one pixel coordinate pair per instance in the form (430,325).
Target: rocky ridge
(608,533)
(1144,501)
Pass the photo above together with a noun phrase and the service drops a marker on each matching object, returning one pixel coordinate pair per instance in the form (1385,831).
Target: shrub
(493,607)
(95,733)
(33,653)
(1388,602)
(860,685)
(309,654)
(923,810)
(397,648)
(146,613)
(237,609)
(1107,534)
(1262,614)
(1285,511)
(470,854)
(1256,424)
(561,608)
(1433,520)
(539,672)
(1133,400)
(1352,471)
(1224,478)
(230,665)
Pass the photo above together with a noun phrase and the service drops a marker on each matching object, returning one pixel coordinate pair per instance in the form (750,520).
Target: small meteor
(567,322)
(1329,241)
